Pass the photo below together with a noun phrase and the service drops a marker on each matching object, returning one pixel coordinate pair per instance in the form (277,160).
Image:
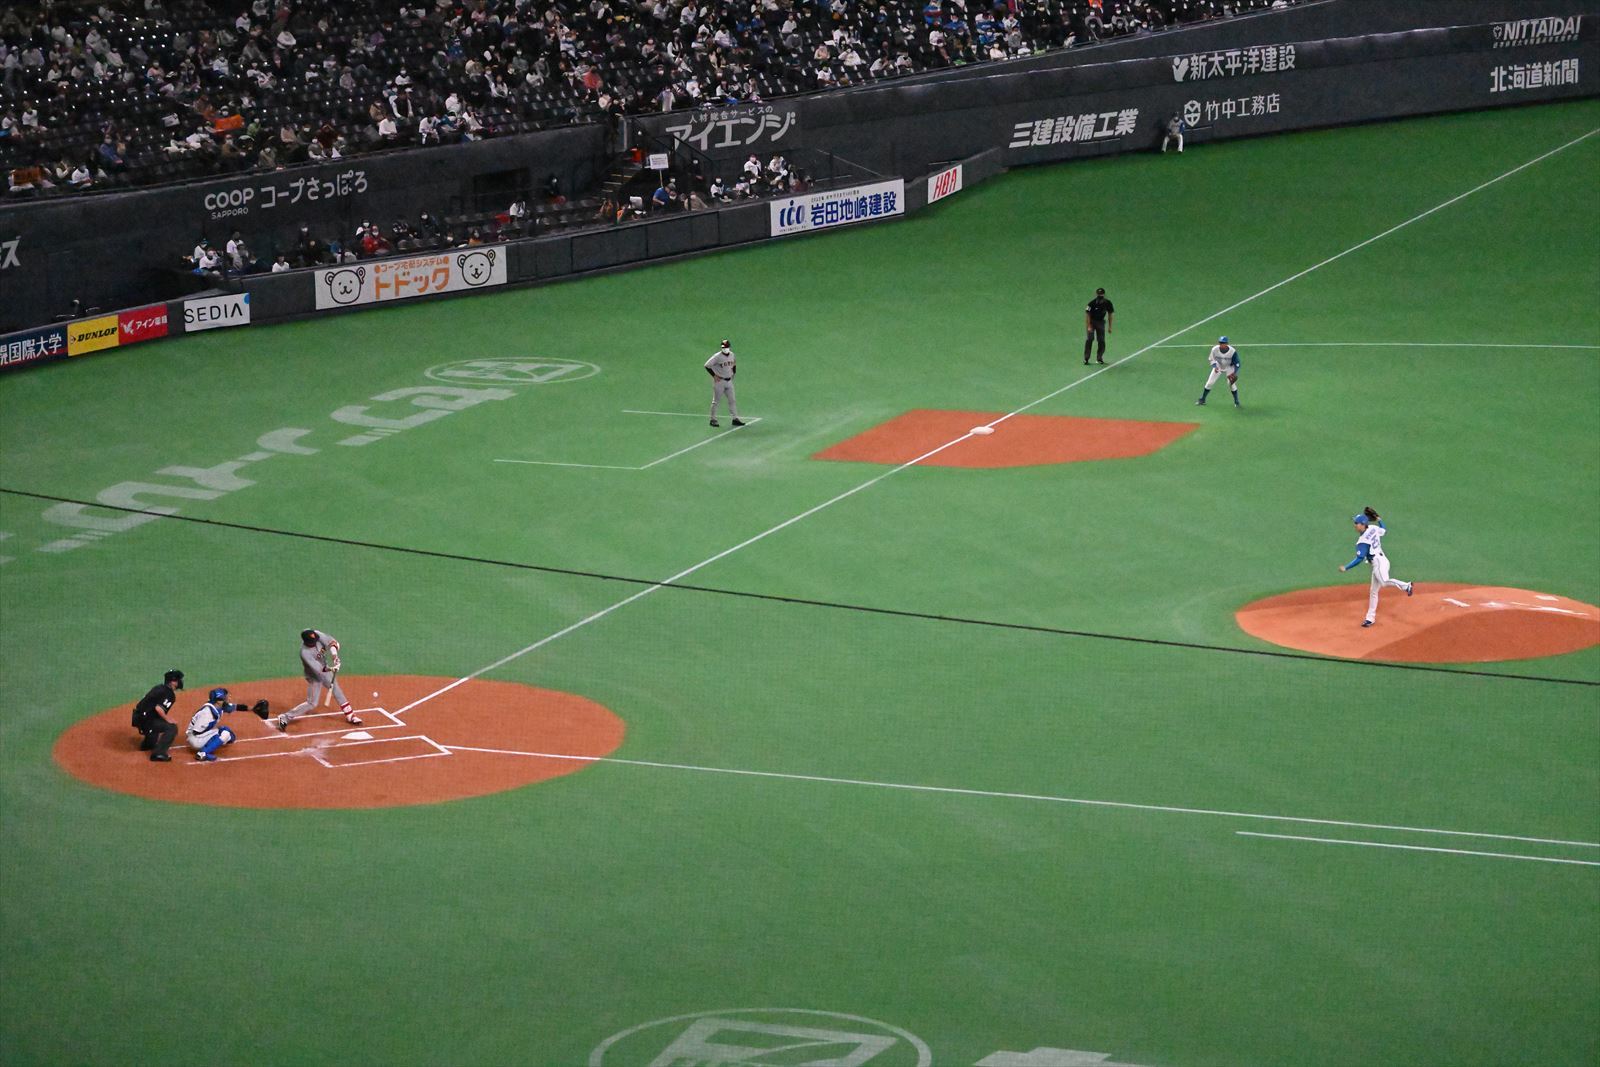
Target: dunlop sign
(91,335)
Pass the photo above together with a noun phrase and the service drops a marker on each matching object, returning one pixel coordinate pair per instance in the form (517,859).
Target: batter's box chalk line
(317,751)
(393,723)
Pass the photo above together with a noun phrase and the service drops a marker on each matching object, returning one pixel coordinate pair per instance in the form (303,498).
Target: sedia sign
(215,312)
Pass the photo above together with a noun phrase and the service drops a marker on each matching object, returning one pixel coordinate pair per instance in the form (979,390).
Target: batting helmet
(218,695)
(174,679)
(308,637)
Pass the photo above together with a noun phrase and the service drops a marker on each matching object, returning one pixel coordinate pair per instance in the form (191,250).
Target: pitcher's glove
(261,708)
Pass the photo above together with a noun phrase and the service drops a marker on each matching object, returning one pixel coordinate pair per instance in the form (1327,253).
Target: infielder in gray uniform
(722,366)
(319,655)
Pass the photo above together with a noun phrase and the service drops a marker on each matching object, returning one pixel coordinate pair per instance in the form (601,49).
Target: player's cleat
(280,724)
(206,757)
(160,757)
(1200,403)
(714,422)
(352,718)
(1367,623)
(1101,362)
(738,422)
(1085,363)
(1411,587)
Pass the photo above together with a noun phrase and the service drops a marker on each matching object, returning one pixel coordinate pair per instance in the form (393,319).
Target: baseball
(374,694)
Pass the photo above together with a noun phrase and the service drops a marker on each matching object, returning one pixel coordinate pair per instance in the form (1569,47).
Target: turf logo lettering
(747,1037)
(525,371)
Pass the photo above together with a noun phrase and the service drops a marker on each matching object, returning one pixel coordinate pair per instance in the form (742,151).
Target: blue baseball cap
(1222,340)
(1363,520)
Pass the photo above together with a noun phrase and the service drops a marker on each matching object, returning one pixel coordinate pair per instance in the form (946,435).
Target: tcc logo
(792,214)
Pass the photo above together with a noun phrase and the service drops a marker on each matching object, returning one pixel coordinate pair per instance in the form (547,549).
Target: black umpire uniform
(1094,324)
(149,717)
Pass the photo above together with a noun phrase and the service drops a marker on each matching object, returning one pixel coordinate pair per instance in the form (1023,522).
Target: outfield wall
(266,298)
(1223,91)
(1256,75)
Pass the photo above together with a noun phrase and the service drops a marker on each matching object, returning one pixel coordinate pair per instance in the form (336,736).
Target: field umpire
(1098,317)
(150,719)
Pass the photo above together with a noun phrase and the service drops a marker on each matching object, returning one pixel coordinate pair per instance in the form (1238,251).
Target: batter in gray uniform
(722,366)
(319,655)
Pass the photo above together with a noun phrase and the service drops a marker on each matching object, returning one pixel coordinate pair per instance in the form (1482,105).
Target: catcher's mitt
(261,708)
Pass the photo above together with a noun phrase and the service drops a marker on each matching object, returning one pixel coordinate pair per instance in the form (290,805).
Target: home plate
(359,735)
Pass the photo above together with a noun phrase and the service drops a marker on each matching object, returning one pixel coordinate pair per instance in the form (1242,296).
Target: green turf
(528,926)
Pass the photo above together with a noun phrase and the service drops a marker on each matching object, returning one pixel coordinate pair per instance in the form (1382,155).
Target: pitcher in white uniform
(722,366)
(1369,547)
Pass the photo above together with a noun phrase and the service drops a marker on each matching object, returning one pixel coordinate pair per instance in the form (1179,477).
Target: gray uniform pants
(314,689)
(723,387)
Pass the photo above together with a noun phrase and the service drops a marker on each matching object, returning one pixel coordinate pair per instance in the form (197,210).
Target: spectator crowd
(117,92)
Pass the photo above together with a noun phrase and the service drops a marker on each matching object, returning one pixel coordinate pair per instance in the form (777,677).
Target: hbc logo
(944,183)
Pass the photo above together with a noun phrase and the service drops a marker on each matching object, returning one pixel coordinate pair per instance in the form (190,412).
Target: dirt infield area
(478,738)
(1442,623)
(1019,441)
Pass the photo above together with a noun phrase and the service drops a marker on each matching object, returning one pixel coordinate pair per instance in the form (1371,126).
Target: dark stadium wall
(120,249)
(904,129)
(1251,76)
(1309,20)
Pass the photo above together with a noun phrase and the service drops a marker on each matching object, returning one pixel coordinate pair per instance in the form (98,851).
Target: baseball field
(850,737)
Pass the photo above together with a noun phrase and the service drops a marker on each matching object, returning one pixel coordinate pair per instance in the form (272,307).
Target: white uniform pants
(1169,138)
(1214,376)
(203,738)
(1380,578)
(723,387)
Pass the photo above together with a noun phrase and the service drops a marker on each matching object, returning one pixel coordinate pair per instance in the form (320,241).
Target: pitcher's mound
(1442,623)
(1019,441)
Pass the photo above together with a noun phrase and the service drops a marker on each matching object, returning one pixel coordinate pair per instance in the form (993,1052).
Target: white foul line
(1083,802)
(1384,344)
(1293,277)
(870,482)
(697,444)
(553,463)
(684,414)
(671,455)
(1423,848)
